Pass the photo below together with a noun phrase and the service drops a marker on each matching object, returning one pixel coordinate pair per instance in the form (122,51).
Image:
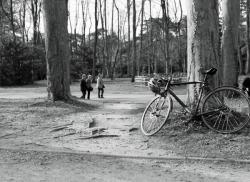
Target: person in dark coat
(89,85)
(83,86)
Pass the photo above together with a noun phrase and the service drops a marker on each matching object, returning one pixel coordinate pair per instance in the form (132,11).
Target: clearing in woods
(45,141)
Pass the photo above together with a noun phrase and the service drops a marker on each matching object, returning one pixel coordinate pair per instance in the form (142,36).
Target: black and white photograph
(124,90)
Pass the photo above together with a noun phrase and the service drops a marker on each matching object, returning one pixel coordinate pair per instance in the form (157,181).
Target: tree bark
(134,42)
(12,25)
(84,19)
(180,57)
(150,38)
(22,15)
(117,49)
(165,18)
(103,36)
(141,39)
(203,43)
(95,41)
(75,27)
(57,49)
(106,54)
(231,15)
(35,12)
(247,71)
(129,41)
(84,7)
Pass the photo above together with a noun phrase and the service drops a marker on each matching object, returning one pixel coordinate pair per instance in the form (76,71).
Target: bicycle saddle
(210,71)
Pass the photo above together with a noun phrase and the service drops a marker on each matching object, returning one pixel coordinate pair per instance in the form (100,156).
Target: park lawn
(27,120)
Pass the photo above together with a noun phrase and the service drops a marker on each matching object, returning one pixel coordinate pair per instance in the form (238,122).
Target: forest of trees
(121,42)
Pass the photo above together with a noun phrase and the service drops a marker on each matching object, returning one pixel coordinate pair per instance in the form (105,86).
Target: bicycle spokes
(226,110)
(155,115)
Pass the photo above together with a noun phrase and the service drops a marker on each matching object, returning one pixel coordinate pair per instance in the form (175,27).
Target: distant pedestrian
(100,86)
(83,86)
(89,85)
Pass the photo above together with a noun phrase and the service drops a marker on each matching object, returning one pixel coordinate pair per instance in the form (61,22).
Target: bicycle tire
(220,112)
(153,113)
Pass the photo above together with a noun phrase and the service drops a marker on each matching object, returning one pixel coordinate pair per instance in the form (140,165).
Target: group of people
(86,86)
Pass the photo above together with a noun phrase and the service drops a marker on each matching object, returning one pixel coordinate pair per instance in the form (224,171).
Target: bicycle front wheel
(226,110)
(155,115)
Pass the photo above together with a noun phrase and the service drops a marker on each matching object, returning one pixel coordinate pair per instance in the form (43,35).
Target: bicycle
(224,110)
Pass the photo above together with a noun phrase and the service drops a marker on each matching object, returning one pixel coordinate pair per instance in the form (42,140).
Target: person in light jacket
(100,86)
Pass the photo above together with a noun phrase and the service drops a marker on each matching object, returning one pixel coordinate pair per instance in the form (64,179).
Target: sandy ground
(69,167)
(33,149)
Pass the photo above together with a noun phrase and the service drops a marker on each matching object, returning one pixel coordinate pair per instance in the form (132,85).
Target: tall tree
(12,23)
(117,48)
(248,37)
(76,23)
(129,42)
(230,15)
(134,42)
(35,12)
(84,19)
(150,58)
(203,39)
(57,49)
(95,40)
(178,31)
(106,37)
(22,19)
(141,38)
(102,16)
(165,18)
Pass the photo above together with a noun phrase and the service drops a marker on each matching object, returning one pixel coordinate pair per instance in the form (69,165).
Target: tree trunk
(150,38)
(57,49)
(165,18)
(12,21)
(231,15)
(141,39)
(106,56)
(247,71)
(180,57)
(76,23)
(103,37)
(129,42)
(203,39)
(95,42)
(155,58)
(117,52)
(23,20)
(35,12)
(84,16)
(84,7)
(134,42)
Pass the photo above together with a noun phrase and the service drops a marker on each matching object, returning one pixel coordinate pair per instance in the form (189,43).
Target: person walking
(100,86)
(89,85)
(83,86)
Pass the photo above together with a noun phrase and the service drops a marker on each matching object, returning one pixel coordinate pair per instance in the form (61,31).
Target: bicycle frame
(187,109)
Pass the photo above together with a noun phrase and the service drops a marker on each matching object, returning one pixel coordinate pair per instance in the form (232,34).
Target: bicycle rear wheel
(155,115)
(226,110)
